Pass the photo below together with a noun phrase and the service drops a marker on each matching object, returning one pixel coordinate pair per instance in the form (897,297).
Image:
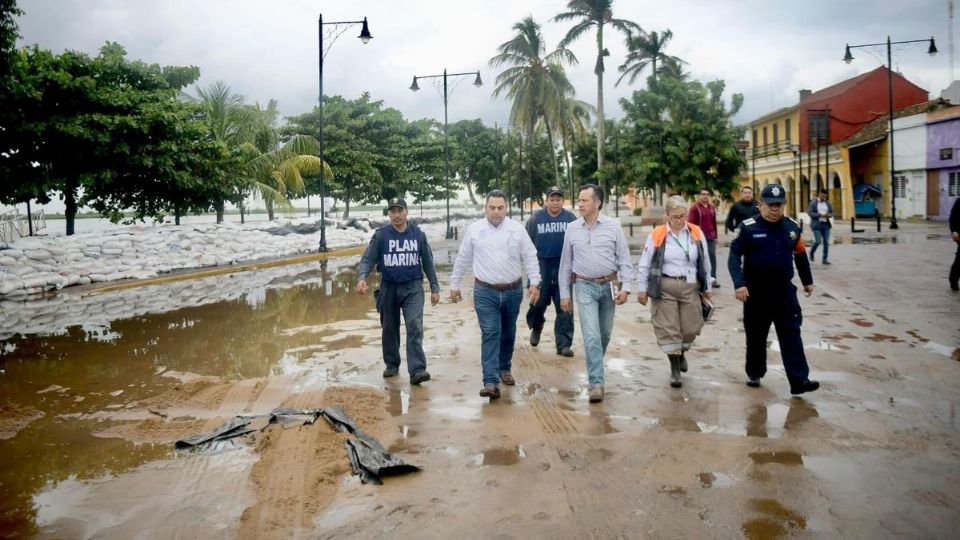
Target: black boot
(683,362)
(675,370)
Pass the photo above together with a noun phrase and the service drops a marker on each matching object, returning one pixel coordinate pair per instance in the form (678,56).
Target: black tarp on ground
(368,458)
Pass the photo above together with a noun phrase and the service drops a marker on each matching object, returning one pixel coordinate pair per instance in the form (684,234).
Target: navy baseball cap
(773,193)
(396,202)
(554,190)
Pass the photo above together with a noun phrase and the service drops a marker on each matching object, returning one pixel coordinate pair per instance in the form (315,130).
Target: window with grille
(946,154)
(786,129)
(899,186)
(953,184)
(776,133)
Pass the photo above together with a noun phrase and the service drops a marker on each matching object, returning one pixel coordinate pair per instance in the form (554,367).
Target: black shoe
(566,351)
(753,382)
(419,377)
(805,386)
(826,262)
(812,257)
(716,285)
(535,336)
(955,286)
(507,378)
(491,391)
(390,372)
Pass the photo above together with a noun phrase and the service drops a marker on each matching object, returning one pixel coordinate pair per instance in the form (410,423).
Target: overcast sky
(764,49)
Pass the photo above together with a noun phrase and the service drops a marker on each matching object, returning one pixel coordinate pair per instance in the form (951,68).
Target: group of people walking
(587,259)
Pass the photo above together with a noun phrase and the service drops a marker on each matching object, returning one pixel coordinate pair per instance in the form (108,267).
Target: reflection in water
(103,366)
(776,522)
(782,458)
(500,456)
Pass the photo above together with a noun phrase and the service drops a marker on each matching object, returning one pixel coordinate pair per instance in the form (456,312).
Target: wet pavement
(92,397)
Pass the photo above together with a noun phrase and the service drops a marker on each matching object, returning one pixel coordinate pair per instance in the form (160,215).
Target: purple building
(943,161)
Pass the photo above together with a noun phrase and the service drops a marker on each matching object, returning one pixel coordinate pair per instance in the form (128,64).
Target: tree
(472,155)
(587,14)
(573,122)
(646,50)
(107,132)
(699,138)
(229,121)
(536,83)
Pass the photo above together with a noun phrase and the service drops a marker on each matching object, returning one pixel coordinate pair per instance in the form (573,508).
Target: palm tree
(572,122)
(278,174)
(646,50)
(226,119)
(589,13)
(535,82)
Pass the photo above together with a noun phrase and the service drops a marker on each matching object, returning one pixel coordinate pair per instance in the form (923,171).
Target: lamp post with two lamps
(847,57)
(365,37)
(446,139)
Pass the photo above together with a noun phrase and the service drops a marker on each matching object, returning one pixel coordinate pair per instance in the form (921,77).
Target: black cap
(554,190)
(773,193)
(396,202)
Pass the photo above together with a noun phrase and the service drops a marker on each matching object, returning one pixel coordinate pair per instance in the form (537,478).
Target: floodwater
(68,375)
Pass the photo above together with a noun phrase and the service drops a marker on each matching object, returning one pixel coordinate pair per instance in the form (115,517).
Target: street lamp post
(847,57)
(446,137)
(365,37)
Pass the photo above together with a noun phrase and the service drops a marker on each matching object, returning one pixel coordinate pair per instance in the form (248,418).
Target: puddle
(882,338)
(619,365)
(398,403)
(915,334)
(777,521)
(862,322)
(500,456)
(678,424)
(716,479)
(782,458)
(826,346)
(949,352)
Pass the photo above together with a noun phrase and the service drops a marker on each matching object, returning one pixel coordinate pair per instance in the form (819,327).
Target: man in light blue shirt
(595,257)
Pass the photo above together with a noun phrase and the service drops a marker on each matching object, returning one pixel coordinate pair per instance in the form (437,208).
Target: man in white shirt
(499,251)
(594,252)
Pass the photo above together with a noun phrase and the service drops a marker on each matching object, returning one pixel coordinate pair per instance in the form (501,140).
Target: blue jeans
(821,235)
(595,303)
(497,312)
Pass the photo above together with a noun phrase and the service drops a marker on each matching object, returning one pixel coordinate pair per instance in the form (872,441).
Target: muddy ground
(873,454)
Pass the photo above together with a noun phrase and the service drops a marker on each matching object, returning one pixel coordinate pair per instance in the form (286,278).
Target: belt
(600,280)
(500,286)
(678,278)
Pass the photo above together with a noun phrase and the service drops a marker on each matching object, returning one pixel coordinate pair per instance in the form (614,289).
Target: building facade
(943,161)
(799,146)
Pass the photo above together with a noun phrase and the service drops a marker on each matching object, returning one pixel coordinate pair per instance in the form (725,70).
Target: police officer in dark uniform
(402,254)
(546,229)
(763,253)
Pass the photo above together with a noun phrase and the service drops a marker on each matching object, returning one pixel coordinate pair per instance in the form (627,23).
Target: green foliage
(107,132)
(698,136)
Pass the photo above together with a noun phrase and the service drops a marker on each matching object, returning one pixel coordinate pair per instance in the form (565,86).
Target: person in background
(955,233)
(546,228)
(762,256)
(594,252)
(402,254)
(674,272)
(820,212)
(743,209)
(704,215)
(499,252)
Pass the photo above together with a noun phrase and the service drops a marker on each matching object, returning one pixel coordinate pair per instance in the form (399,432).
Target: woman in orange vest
(674,271)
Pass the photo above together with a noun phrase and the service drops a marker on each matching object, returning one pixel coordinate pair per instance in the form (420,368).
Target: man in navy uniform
(546,228)
(402,254)
(763,253)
